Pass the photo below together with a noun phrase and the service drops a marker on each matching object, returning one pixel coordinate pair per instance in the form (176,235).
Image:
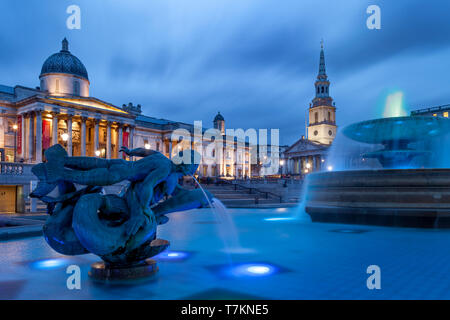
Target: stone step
(239,202)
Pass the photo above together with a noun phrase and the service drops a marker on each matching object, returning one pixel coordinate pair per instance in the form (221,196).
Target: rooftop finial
(65,45)
(321,43)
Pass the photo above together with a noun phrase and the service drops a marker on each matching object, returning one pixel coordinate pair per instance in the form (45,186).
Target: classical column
(108,139)
(69,132)
(83,136)
(96,135)
(131,137)
(170,148)
(54,127)
(38,136)
(23,151)
(120,138)
(30,137)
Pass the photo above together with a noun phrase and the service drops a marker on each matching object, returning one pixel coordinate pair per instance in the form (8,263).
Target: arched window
(322,89)
(316,117)
(76,87)
(329,116)
(213,153)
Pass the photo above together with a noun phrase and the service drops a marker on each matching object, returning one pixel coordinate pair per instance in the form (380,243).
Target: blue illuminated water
(289,259)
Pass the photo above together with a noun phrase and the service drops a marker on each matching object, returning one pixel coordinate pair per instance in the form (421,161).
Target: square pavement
(311,261)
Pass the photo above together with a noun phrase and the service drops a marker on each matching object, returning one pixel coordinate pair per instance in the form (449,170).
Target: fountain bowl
(401,129)
(387,197)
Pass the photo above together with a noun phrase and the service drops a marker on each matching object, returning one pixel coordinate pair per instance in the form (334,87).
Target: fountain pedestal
(103,272)
(390,196)
(394,197)
(138,267)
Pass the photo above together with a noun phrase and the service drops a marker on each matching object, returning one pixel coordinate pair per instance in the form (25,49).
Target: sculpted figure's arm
(137,152)
(183,199)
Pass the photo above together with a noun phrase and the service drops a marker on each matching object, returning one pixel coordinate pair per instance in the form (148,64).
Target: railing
(14,168)
(432,109)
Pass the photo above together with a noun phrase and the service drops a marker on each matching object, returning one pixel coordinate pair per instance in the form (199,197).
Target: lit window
(445,114)
(434,114)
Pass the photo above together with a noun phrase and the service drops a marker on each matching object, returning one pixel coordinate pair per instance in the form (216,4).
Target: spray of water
(226,227)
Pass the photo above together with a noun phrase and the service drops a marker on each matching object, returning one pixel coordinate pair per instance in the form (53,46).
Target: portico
(82,131)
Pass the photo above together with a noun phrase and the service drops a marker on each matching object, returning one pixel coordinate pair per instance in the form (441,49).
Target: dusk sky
(254,60)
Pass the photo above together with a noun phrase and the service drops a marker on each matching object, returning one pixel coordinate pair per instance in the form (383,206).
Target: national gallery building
(61,111)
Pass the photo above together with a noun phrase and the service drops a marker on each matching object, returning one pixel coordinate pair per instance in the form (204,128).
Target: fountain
(406,191)
(120,229)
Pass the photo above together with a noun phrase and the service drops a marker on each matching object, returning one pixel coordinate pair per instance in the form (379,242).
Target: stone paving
(279,258)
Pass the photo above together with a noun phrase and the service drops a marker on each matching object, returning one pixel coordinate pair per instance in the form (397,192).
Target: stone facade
(61,111)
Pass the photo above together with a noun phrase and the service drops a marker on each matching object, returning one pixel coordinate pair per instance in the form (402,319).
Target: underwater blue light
(279,219)
(48,263)
(253,270)
(172,255)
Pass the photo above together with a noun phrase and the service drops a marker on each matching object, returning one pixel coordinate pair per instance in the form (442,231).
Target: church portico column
(108,139)
(83,136)
(38,136)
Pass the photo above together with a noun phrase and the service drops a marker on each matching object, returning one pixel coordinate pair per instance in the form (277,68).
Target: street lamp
(281,164)
(97,153)
(15,127)
(65,137)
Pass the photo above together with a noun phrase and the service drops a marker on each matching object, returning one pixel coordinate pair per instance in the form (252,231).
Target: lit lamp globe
(147,146)
(65,137)
(15,127)
(97,153)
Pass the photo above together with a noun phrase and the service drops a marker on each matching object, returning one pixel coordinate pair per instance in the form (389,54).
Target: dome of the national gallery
(64,62)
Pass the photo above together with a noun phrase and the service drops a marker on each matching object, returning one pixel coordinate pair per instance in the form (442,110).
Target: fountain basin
(388,197)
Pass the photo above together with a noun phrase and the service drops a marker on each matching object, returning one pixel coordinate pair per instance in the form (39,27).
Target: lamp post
(15,126)
(281,164)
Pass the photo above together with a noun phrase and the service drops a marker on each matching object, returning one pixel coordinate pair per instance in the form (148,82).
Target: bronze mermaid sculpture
(120,228)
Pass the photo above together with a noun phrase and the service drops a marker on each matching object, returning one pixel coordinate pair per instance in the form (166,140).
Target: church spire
(322,84)
(322,72)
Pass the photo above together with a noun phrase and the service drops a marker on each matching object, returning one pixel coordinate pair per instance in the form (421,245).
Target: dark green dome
(64,62)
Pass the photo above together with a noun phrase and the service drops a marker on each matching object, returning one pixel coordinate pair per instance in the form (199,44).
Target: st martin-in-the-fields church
(309,154)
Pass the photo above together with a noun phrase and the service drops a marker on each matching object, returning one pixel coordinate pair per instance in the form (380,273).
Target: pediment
(303,145)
